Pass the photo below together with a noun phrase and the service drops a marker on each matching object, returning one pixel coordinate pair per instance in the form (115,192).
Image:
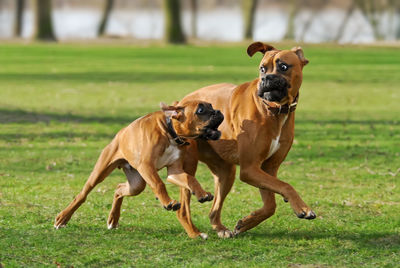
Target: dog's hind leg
(106,163)
(134,186)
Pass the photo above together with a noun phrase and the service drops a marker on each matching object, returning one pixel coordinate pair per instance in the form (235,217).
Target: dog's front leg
(178,177)
(184,216)
(255,176)
(150,175)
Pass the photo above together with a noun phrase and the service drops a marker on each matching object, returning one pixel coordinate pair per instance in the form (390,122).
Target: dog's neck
(171,131)
(277,109)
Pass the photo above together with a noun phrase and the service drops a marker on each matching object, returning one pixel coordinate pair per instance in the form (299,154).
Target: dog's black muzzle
(211,132)
(273,87)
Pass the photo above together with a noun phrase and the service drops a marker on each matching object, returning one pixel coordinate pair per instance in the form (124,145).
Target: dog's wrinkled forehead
(274,56)
(206,105)
(197,107)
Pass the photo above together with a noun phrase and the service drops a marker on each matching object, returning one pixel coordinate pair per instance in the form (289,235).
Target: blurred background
(312,21)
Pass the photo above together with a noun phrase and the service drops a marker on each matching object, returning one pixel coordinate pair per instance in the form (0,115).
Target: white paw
(204,236)
(59,226)
(225,234)
(111,226)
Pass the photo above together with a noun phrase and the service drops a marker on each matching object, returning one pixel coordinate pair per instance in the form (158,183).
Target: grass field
(61,104)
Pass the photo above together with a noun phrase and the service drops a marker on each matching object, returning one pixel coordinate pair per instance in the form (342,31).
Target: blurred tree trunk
(307,26)
(345,20)
(249,11)
(194,6)
(173,27)
(317,8)
(43,23)
(19,12)
(289,35)
(398,22)
(394,14)
(369,11)
(106,15)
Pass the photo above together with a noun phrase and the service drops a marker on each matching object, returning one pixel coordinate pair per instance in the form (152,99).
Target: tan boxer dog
(257,134)
(145,146)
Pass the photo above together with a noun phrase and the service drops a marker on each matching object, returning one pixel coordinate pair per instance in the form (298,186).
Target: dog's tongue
(270,103)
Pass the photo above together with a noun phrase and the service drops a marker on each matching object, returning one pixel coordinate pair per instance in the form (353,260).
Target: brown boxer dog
(145,146)
(257,134)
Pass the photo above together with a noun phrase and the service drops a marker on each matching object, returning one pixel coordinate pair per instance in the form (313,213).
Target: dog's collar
(282,109)
(171,131)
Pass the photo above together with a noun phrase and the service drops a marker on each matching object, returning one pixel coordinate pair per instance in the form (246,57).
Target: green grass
(61,104)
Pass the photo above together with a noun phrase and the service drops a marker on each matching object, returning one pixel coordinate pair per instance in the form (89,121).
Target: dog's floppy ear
(175,112)
(299,52)
(258,47)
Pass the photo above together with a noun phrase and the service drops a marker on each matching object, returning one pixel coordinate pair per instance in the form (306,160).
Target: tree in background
(43,23)
(249,11)
(315,9)
(173,27)
(290,35)
(370,9)
(194,7)
(397,9)
(106,15)
(345,20)
(19,11)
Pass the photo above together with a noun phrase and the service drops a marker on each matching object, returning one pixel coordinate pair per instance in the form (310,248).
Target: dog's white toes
(111,226)
(204,236)
(59,226)
(225,234)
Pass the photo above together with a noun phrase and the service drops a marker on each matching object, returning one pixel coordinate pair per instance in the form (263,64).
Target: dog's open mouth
(274,95)
(211,132)
(273,89)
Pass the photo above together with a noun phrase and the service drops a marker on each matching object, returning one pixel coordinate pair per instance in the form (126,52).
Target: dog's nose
(218,114)
(270,77)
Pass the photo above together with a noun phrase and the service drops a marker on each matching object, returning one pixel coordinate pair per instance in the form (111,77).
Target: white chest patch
(275,142)
(274,147)
(170,155)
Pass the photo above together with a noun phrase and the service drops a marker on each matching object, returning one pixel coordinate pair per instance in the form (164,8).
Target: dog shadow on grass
(22,116)
(367,239)
(130,231)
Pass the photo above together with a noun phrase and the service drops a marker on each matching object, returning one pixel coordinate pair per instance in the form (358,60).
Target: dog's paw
(225,234)
(310,215)
(60,222)
(59,226)
(112,226)
(173,205)
(238,226)
(207,197)
(301,209)
(203,236)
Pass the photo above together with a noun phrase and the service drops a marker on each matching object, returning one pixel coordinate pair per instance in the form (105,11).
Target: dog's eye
(200,110)
(283,67)
(262,69)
